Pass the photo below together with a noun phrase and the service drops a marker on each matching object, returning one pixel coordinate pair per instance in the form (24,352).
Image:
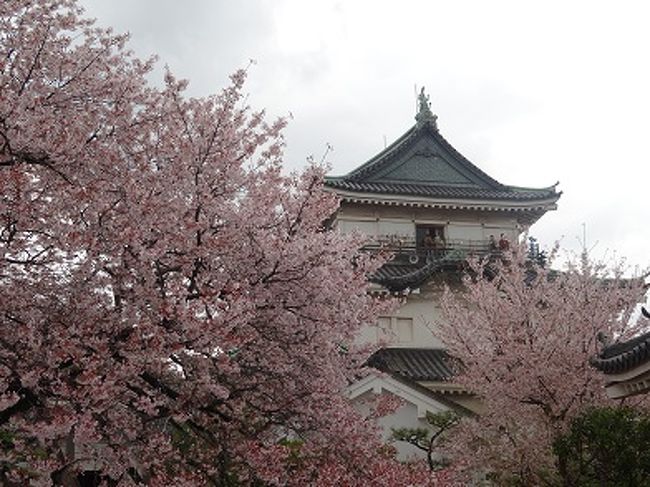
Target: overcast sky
(531,92)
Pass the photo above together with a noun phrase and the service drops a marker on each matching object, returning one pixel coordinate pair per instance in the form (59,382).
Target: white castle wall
(413,324)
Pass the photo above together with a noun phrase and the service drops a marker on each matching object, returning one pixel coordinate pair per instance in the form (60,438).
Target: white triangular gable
(378,382)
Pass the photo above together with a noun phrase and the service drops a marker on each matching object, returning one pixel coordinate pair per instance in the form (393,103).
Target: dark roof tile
(623,356)
(418,364)
(429,190)
(422,163)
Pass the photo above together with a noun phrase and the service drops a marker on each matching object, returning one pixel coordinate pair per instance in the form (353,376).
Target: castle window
(403,330)
(394,329)
(421,232)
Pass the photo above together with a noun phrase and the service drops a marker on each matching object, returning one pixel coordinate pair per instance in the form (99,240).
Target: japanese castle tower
(421,199)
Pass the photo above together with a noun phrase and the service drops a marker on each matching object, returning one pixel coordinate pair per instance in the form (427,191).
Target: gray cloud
(532,94)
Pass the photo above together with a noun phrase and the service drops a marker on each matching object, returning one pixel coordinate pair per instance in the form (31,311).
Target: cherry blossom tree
(523,335)
(173,309)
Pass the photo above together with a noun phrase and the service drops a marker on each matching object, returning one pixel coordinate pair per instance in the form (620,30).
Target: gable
(423,157)
(378,383)
(424,166)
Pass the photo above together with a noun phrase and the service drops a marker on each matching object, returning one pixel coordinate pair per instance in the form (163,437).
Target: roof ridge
(400,145)
(380,157)
(469,164)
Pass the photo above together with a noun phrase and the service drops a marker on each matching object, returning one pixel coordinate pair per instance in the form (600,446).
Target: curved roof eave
(548,202)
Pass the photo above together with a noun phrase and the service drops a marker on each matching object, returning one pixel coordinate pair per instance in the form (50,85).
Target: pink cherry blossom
(523,336)
(174,310)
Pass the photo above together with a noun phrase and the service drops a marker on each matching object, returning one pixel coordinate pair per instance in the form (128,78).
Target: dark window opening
(429,236)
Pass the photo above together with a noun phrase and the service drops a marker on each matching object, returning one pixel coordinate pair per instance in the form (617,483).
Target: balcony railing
(406,250)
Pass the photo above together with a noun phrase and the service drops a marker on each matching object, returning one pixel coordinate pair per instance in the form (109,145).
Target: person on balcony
(428,241)
(429,244)
(438,245)
(504,244)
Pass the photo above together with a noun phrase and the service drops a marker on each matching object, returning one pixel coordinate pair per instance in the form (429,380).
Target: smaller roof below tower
(624,356)
(417,364)
(626,365)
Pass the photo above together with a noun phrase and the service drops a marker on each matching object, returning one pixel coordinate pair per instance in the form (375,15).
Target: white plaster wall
(423,309)
(404,417)
(466,232)
(459,224)
(467,226)
(396,227)
(367,227)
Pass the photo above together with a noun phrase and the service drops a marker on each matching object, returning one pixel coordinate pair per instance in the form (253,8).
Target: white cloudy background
(531,92)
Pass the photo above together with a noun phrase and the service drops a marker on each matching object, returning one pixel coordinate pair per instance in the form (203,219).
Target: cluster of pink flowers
(524,336)
(173,307)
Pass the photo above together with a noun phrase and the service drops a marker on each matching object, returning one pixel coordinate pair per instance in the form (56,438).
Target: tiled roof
(421,163)
(446,191)
(399,277)
(432,144)
(417,364)
(623,356)
(396,275)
